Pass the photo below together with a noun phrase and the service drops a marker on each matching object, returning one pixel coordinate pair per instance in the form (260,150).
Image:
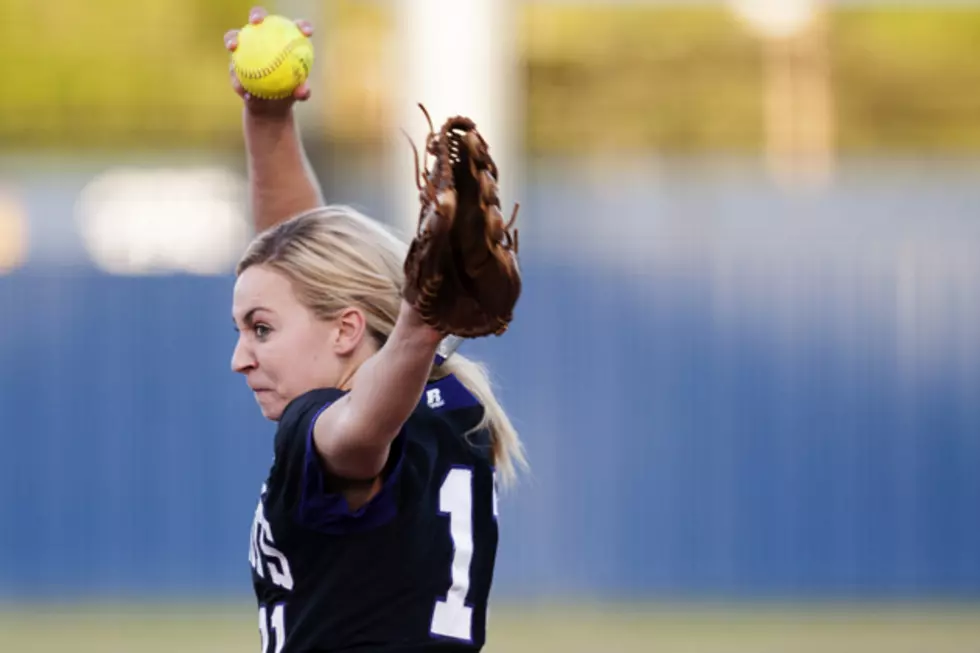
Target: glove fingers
(461,273)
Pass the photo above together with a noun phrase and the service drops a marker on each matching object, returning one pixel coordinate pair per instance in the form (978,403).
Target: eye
(261,331)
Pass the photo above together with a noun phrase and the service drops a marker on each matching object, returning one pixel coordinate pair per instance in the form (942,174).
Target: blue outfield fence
(726,391)
(686,439)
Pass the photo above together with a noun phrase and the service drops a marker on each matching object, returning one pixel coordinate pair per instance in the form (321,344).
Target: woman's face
(283,350)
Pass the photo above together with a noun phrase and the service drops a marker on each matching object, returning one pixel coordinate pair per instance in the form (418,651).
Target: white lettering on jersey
(434,398)
(263,554)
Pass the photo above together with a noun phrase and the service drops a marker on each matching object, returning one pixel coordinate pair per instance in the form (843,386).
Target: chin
(272,416)
(271,410)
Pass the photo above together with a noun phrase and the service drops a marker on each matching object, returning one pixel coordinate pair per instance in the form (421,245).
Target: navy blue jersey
(410,570)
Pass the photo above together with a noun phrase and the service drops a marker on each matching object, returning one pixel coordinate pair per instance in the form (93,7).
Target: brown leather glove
(461,272)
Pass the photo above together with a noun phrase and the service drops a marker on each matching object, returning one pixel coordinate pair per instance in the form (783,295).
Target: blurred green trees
(619,78)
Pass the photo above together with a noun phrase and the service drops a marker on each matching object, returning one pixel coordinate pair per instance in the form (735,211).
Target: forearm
(387,387)
(281,181)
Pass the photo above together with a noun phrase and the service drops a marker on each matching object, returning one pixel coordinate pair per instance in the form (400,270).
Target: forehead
(259,286)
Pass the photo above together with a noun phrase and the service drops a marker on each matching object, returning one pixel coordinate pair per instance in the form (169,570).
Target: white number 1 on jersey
(452,617)
(277,626)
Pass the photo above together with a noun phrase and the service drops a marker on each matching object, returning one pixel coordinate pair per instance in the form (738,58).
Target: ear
(351,327)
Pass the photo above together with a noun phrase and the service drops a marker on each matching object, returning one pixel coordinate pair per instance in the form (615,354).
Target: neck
(357,359)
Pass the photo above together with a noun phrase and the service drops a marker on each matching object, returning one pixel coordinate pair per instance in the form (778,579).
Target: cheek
(321,367)
(303,364)
(277,365)
(268,356)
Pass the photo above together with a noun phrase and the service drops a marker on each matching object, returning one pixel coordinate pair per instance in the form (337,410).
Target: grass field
(630,628)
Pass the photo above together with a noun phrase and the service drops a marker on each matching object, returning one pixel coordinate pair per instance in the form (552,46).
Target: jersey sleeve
(298,480)
(430,440)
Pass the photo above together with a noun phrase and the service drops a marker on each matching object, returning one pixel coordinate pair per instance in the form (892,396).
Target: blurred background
(746,363)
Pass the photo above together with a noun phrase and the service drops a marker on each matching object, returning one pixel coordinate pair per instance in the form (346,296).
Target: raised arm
(354,435)
(281,181)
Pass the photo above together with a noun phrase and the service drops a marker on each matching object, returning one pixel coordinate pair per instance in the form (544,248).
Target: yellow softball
(272,58)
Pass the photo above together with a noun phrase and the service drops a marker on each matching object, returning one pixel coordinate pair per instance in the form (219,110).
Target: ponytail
(508,452)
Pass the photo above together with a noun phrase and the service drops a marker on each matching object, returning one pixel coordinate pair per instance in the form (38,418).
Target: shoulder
(444,424)
(294,431)
(445,398)
(448,395)
(308,405)
(301,413)
(449,417)
(442,432)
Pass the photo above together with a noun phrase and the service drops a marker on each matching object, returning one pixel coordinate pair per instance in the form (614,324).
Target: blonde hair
(335,258)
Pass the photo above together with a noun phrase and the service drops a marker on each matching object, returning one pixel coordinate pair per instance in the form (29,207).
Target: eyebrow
(247,319)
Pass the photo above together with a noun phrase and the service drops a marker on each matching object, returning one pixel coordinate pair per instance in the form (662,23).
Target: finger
(302,92)
(305,26)
(257,15)
(231,39)
(236,84)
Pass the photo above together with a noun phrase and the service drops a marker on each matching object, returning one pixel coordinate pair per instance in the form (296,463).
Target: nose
(242,359)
